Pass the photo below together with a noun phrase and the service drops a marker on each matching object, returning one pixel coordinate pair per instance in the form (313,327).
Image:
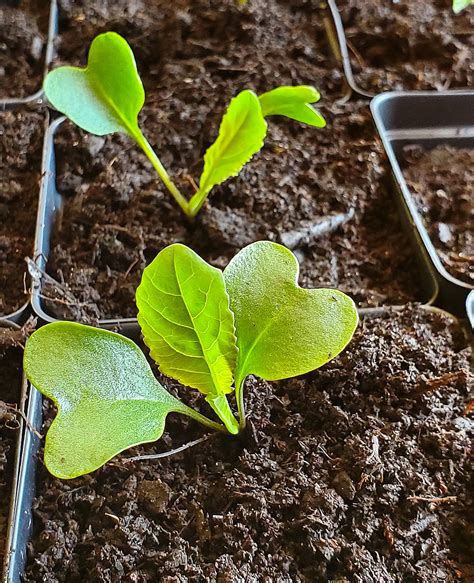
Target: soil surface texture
(357,472)
(442,183)
(21,133)
(409,45)
(23,39)
(10,385)
(117,214)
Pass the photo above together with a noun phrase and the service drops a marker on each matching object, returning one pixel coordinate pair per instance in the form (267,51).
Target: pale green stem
(201,418)
(239,395)
(221,406)
(158,166)
(196,202)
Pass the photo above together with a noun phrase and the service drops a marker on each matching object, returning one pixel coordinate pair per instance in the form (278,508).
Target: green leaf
(293,102)
(241,135)
(283,330)
(106,394)
(187,324)
(459,5)
(107,95)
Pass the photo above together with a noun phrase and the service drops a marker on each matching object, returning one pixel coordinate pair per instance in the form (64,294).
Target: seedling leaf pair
(281,330)
(207,329)
(107,96)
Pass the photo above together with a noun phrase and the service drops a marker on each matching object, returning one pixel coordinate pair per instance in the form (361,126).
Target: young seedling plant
(206,328)
(107,96)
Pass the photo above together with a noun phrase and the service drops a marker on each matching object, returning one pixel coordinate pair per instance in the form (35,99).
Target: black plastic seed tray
(429,119)
(20,315)
(401,118)
(12,516)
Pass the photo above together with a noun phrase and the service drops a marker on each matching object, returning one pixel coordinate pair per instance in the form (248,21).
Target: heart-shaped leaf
(107,95)
(283,330)
(106,394)
(187,324)
(241,135)
(293,102)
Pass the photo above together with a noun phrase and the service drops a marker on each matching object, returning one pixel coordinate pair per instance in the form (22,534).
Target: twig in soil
(38,274)
(307,233)
(192,182)
(445,379)
(155,456)
(434,499)
(9,413)
(10,338)
(334,45)
(130,267)
(357,55)
(343,50)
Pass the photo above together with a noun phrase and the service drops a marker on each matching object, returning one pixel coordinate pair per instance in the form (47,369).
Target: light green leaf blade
(107,95)
(106,394)
(460,5)
(294,103)
(241,135)
(186,321)
(283,330)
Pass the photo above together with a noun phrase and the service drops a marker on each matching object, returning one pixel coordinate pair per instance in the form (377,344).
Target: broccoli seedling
(460,5)
(206,328)
(107,96)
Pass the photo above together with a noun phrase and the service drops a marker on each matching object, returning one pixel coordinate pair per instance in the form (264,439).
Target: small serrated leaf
(241,135)
(107,95)
(184,314)
(294,103)
(183,311)
(106,394)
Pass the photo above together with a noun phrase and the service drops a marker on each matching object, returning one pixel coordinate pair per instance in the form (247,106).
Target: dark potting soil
(409,45)
(357,472)
(198,41)
(10,385)
(21,133)
(117,215)
(23,39)
(442,183)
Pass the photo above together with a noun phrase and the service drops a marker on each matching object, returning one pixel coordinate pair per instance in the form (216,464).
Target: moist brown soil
(409,45)
(23,38)
(356,472)
(441,181)
(10,384)
(21,132)
(201,40)
(118,215)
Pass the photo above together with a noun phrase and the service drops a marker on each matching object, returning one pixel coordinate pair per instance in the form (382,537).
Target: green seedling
(107,96)
(207,329)
(460,5)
